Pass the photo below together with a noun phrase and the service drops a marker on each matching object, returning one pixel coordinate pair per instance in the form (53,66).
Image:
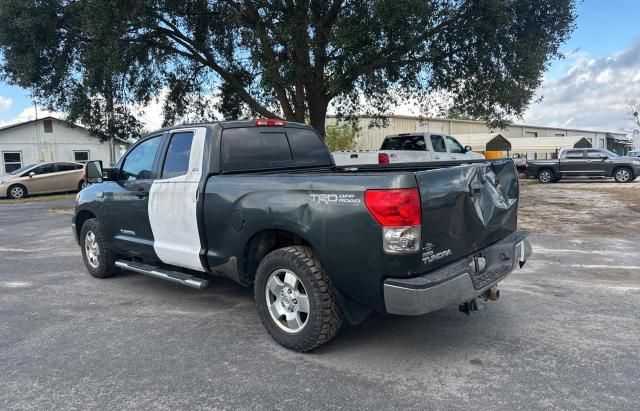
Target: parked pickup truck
(263,204)
(585,162)
(409,148)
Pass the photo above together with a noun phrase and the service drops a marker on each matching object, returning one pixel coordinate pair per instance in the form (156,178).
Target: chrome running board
(173,276)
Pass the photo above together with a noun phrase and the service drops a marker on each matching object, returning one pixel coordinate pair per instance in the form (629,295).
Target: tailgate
(466,208)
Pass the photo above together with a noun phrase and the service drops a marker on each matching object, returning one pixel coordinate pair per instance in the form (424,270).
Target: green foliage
(341,137)
(244,58)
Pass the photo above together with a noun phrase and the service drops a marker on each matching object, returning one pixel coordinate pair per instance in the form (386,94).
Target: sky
(587,89)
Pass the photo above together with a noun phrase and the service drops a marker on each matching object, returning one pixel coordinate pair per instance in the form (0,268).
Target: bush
(341,137)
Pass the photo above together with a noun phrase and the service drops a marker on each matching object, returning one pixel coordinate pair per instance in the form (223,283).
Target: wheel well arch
(618,167)
(82,216)
(18,185)
(541,169)
(262,243)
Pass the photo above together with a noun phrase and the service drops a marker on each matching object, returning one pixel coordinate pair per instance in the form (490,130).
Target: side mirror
(93,172)
(603,157)
(31,174)
(468,149)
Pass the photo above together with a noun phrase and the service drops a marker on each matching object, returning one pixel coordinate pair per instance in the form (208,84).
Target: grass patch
(38,198)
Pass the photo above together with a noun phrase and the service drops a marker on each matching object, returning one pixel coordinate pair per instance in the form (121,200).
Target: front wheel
(95,254)
(623,175)
(82,185)
(17,191)
(295,299)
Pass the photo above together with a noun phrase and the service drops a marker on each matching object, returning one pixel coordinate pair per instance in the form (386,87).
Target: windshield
(21,170)
(610,153)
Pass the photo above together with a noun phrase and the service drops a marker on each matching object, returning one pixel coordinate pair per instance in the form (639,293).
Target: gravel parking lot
(565,334)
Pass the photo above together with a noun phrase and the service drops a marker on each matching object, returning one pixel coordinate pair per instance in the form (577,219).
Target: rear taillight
(269,122)
(383,158)
(399,213)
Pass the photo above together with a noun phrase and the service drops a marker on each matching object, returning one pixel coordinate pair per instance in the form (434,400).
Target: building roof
(418,118)
(485,141)
(24,123)
(547,144)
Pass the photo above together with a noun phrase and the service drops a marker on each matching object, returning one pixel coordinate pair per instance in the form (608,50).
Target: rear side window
(438,144)
(306,147)
(176,162)
(408,143)
(575,154)
(250,149)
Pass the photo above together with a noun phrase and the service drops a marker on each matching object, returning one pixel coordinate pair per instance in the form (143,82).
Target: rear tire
(546,176)
(17,191)
(97,257)
(623,175)
(295,299)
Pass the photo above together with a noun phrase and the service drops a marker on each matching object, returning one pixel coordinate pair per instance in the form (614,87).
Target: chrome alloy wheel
(623,175)
(17,192)
(92,250)
(545,176)
(287,301)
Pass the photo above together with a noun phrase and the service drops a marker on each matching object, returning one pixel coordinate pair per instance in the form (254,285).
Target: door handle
(142,194)
(436,157)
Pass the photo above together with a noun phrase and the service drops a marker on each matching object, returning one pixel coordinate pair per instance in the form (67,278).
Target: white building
(52,139)
(370,138)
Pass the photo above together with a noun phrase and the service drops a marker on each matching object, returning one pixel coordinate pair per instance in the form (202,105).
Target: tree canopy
(98,59)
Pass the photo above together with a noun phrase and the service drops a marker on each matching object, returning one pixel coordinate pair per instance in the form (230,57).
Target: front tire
(295,299)
(82,185)
(17,191)
(546,176)
(97,257)
(623,175)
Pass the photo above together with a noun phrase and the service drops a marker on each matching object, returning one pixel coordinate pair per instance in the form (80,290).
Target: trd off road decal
(335,198)
(429,255)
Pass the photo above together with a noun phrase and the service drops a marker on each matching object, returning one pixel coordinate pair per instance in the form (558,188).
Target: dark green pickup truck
(262,203)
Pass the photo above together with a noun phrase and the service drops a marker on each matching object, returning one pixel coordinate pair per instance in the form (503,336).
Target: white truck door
(455,149)
(439,147)
(173,200)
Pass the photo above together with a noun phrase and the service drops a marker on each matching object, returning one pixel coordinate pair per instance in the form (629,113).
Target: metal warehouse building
(370,138)
(51,139)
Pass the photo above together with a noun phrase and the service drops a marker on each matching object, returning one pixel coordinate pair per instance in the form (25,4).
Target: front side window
(138,165)
(81,156)
(574,155)
(453,146)
(595,154)
(12,161)
(44,169)
(68,167)
(438,144)
(176,163)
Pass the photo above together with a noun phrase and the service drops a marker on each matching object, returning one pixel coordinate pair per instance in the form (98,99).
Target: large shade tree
(95,59)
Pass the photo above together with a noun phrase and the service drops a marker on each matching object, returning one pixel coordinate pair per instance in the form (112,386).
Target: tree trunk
(317,117)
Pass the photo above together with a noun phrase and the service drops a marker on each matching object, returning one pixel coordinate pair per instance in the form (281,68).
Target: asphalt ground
(564,335)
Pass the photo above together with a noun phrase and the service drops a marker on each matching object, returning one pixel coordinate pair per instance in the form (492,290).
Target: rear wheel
(546,176)
(17,191)
(623,175)
(295,299)
(95,254)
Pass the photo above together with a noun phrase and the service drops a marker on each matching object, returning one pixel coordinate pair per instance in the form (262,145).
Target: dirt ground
(580,208)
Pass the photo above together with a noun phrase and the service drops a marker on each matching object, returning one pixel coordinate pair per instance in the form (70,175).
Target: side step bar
(173,276)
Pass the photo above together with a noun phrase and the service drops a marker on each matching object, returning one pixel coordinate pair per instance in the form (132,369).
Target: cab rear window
(256,148)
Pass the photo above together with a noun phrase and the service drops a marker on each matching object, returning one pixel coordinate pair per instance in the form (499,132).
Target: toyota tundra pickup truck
(262,203)
(409,148)
(585,162)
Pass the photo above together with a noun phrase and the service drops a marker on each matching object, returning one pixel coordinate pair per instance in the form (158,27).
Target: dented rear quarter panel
(465,208)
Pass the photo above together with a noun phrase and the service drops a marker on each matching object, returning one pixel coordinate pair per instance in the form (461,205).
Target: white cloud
(591,94)
(5,103)
(28,114)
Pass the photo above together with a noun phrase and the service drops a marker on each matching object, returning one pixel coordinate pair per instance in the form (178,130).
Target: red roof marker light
(269,122)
